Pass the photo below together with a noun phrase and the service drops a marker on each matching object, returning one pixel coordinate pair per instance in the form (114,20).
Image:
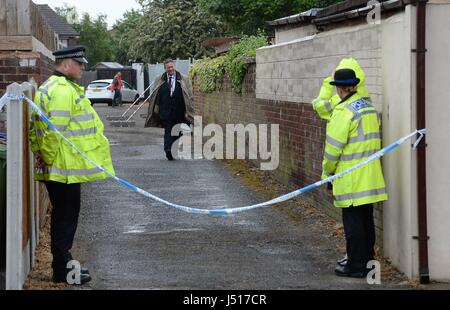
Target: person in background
(171,103)
(116,87)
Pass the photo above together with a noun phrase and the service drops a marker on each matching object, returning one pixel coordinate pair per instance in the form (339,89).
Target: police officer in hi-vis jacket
(352,135)
(58,165)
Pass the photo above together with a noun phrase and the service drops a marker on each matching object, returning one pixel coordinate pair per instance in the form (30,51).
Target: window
(63,44)
(98,85)
(126,85)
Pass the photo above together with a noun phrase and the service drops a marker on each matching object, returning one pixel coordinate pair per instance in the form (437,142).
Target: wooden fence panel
(21,199)
(3,25)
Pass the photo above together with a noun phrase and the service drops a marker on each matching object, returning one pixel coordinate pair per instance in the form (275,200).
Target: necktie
(170,85)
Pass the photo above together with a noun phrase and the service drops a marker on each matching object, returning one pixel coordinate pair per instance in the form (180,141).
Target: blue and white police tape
(3,101)
(226,211)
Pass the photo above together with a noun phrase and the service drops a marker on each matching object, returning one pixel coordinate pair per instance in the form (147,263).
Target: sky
(113,8)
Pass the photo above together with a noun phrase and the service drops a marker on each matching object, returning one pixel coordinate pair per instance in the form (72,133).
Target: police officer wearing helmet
(58,165)
(352,135)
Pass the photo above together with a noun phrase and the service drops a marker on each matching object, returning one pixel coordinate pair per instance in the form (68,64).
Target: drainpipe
(421,150)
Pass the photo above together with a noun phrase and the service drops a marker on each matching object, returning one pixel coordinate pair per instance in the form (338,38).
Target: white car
(98,92)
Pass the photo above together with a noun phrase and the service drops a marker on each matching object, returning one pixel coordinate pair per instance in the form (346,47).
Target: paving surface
(130,242)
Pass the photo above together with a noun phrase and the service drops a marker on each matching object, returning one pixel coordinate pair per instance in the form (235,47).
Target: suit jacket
(171,107)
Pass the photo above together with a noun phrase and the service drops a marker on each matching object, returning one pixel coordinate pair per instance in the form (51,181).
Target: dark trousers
(169,140)
(117,98)
(65,199)
(359,234)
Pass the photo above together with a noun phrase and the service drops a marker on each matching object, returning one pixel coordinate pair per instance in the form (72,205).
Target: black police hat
(345,77)
(76,53)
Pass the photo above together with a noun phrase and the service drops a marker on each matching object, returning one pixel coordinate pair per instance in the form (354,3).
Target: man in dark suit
(170,104)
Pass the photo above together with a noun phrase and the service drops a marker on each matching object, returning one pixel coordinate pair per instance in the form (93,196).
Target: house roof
(297,18)
(221,45)
(213,42)
(109,65)
(351,9)
(338,12)
(56,22)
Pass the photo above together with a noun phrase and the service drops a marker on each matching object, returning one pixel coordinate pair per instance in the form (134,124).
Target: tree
(123,34)
(94,34)
(172,28)
(69,13)
(247,16)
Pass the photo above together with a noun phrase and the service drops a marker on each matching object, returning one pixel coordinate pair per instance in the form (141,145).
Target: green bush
(211,71)
(235,66)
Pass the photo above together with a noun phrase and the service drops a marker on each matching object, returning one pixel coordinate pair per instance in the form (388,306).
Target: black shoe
(344,271)
(169,155)
(342,261)
(60,276)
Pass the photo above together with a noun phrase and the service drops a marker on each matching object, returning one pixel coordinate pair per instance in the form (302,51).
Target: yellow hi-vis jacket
(352,135)
(325,103)
(65,105)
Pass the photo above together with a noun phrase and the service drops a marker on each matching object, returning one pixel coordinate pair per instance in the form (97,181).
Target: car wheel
(136,98)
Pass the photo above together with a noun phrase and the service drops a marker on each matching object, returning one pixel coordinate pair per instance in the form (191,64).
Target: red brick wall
(302,135)
(22,66)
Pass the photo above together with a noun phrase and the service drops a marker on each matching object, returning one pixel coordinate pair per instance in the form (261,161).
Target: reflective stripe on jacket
(72,114)
(352,135)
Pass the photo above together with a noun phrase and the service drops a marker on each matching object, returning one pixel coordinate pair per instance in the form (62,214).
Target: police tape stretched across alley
(7,97)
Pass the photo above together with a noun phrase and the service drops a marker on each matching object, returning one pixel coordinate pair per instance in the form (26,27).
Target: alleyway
(130,242)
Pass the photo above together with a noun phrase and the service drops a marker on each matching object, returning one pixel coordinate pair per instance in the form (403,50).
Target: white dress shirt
(172,90)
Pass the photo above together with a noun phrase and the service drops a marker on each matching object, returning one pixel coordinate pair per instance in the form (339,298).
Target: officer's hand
(39,161)
(330,186)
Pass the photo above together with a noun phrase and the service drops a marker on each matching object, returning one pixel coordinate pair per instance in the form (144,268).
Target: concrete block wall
(294,71)
(292,32)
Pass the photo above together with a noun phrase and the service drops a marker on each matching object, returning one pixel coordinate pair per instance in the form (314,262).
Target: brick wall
(22,66)
(302,135)
(294,71)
